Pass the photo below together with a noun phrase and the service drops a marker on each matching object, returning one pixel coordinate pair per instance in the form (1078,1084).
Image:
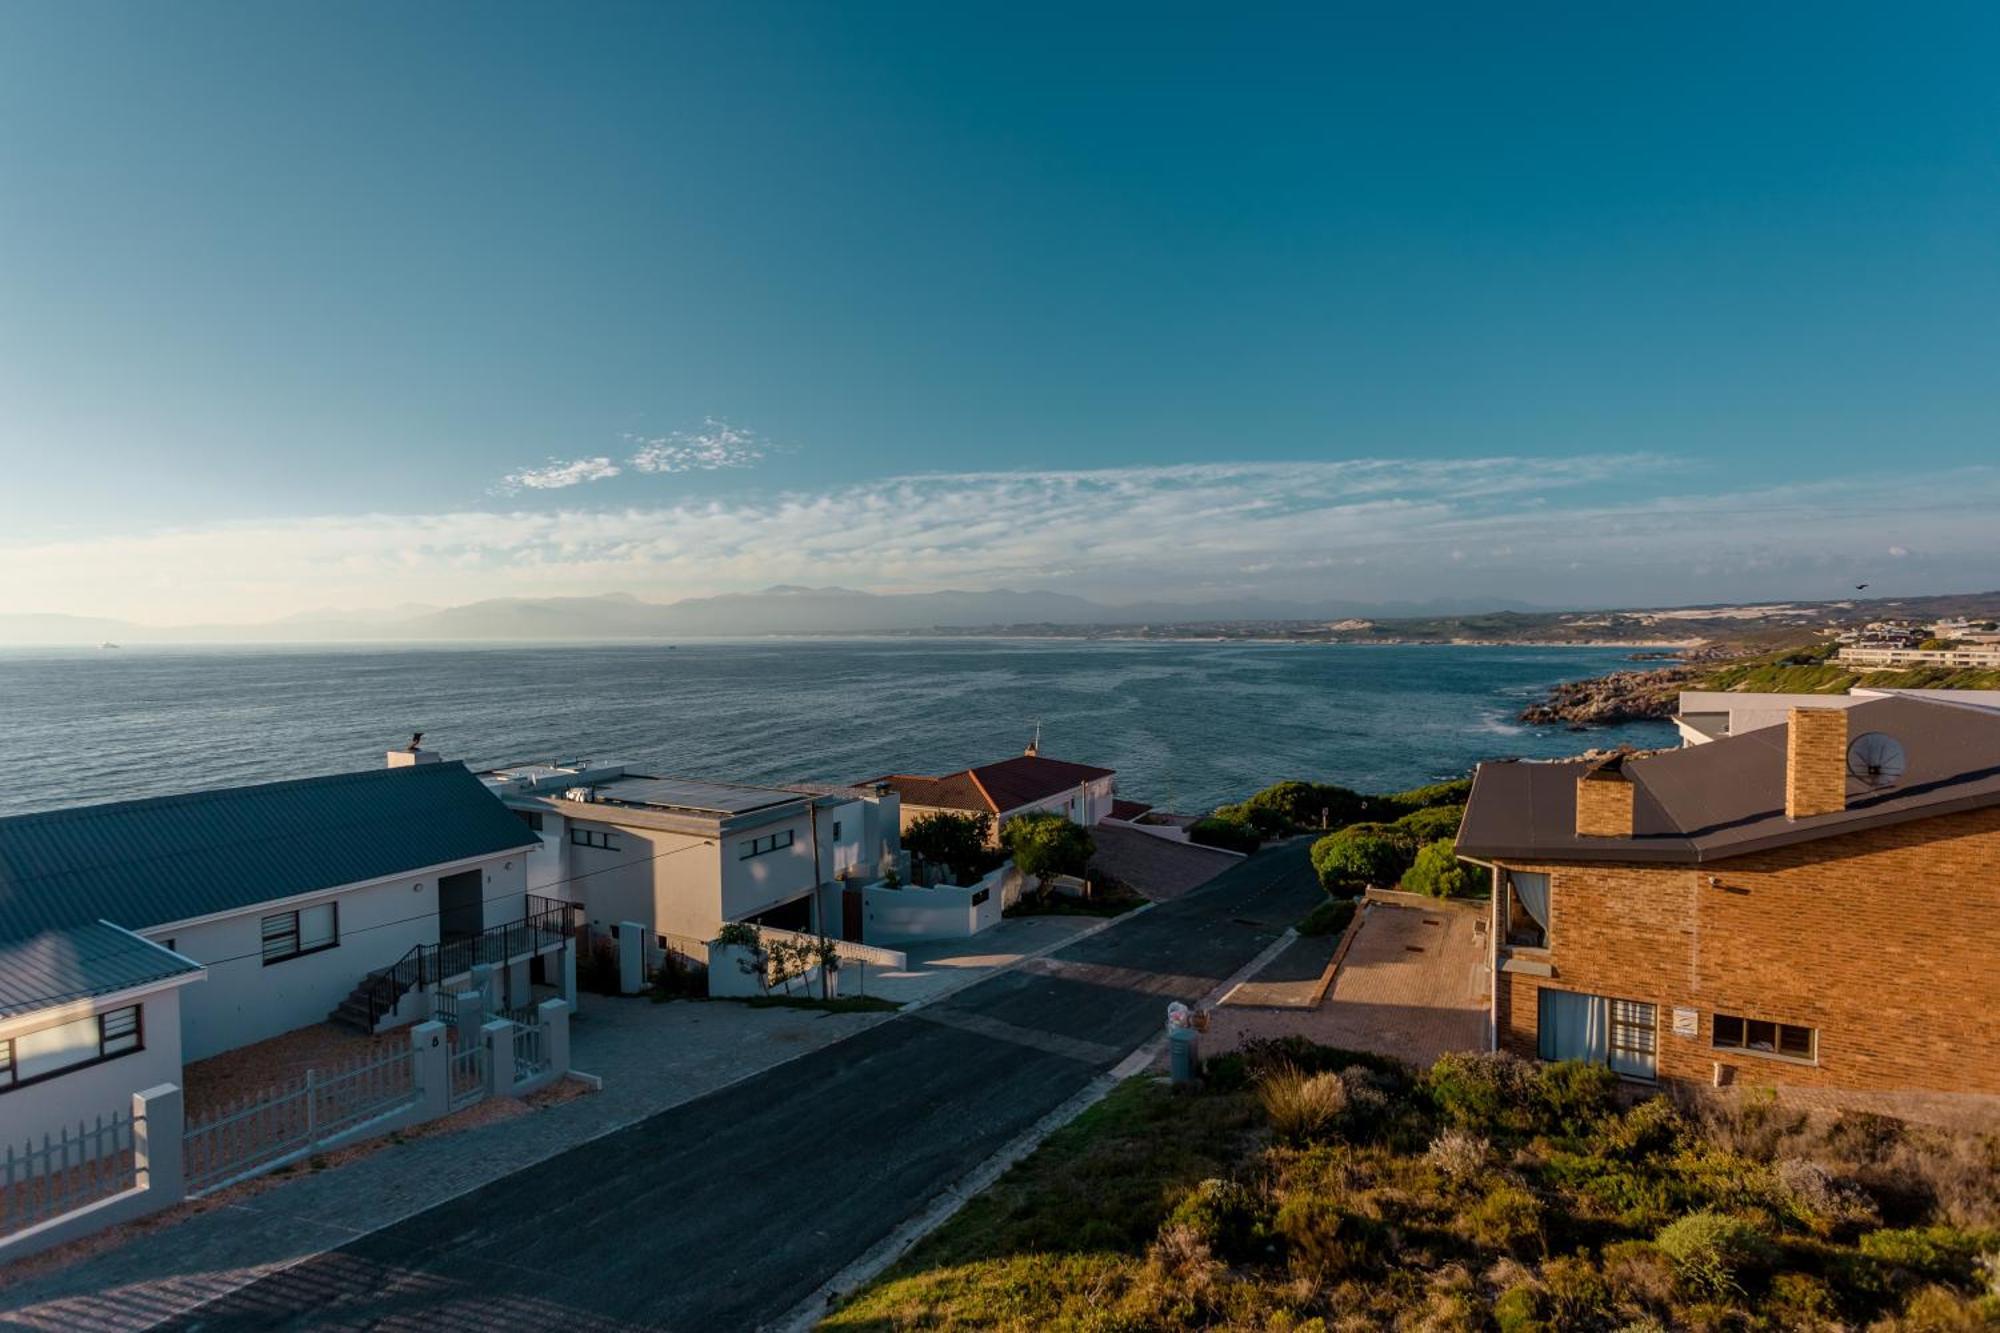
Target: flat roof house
(683,856)
(1081,793)
(136,934)
(1815,903)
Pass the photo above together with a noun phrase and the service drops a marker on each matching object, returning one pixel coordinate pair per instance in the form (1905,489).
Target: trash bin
(1183,1050)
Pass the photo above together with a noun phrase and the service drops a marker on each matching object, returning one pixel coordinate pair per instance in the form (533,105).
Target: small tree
(1045,845)
(1438,872)
(1360,855)
(957,842)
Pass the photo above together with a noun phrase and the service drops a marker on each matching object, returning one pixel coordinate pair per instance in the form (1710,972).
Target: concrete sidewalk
(652,1057)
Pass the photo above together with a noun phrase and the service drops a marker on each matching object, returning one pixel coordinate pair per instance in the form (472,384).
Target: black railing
(547,922)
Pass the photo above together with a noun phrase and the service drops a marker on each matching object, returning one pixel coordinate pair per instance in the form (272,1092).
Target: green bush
(1437,871)
(1712,1252)
(1232,835)
(1360,855)
(1486,1093)
(1433,823)
(1577,1297)
(1323,1237)
(1508,1218)
(1940,1253)
(1229,1217)
(1329,918)
(1519,1310)
(1455,792)
(1649,1130)
(1573,1095)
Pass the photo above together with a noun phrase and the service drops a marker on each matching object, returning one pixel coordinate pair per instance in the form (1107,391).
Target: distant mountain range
(777,610)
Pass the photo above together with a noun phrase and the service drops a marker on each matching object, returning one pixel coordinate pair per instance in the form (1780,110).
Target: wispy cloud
(715,446)
(1599,529)
(558,475)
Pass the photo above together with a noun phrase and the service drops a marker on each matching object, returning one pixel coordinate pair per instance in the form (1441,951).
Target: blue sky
(309,305)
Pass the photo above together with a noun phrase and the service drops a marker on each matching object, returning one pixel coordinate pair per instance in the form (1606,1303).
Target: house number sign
(1687,1023)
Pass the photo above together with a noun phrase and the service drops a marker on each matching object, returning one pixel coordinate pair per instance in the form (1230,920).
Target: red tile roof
(997,788)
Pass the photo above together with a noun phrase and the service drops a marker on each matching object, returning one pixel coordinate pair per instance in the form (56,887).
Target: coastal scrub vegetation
(1045,845)
(1293,806)
(1308,1188)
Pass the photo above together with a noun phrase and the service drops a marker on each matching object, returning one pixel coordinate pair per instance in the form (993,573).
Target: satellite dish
(1876,759)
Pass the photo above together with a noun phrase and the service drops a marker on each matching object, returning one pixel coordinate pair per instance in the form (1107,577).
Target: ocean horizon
(1187,724)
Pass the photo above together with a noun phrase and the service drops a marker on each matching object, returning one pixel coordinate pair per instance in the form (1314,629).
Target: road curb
(871,1265)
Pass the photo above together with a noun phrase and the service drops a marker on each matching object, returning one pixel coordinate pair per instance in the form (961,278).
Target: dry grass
(1302,1106)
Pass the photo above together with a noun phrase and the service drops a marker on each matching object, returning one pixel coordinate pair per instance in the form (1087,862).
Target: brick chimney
(1604,800)
(1815,762)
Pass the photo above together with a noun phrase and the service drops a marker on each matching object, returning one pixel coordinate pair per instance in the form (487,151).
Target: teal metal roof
(58,966)
(146,863)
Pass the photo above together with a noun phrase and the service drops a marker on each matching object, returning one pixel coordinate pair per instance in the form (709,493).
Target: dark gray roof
(58,966)
(146,863)
(1727,797)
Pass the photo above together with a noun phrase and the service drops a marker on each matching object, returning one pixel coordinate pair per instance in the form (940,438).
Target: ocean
(1187,725)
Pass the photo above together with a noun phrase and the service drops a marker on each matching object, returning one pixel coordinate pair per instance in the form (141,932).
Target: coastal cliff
(1622,696)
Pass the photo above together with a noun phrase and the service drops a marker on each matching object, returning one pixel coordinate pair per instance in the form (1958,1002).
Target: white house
(683,856)
(1027,783)
(188,925)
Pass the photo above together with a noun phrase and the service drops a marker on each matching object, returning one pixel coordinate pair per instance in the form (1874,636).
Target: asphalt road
(726,1212)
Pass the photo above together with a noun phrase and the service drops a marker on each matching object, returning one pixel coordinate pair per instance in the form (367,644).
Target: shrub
(1360,855)
(1454,792)
(1262,820)
(1329,918)
(1483,1093)
(1302,805)
(1937,1309)
(597,967)
(1939,1253)
(1045,845)
(1575,1094)
(1437,871)
(1302,1106)
(957,842)
(1651,1129)
(1519,1309)
(1801,1301)
(1638,1274)
(1458,1156)
(1437,823)
(1823,1201)
(1227,1216)
(1711,1252)
(1506,1219)
(1322,1237)
(1577,1297)
(1232,835)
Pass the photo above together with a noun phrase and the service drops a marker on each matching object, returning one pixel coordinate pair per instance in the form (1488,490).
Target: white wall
(548,863)
(244,1001)
(760,882)
(84,1094)
(946,912)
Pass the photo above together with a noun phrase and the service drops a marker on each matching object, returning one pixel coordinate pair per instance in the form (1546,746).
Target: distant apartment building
(1813,903)
(139,934)
(684,856)
(1962,655)
(1029,783)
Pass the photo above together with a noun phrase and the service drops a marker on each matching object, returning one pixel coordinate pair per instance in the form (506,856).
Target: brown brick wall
(1887,941)
(1604,807)
(1815,762)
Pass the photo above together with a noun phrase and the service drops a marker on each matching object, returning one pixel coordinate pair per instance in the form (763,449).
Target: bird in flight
(1857,587)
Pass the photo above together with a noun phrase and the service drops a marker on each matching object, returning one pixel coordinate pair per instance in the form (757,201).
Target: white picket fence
(66,1171)
(284,1125)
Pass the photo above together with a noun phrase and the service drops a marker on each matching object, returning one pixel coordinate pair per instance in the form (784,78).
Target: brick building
(1815,904)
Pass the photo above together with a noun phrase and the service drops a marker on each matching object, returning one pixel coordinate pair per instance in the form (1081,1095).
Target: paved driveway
(726,1212)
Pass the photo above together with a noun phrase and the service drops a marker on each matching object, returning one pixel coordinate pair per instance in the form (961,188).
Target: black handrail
(545,921)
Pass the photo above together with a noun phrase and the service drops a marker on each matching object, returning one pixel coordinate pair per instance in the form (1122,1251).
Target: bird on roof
(416,742)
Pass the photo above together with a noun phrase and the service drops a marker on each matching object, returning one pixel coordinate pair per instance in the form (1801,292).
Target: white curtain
(1532,892)
(1574,1026)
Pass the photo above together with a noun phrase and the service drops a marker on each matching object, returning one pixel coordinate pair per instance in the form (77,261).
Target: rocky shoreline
(1622,696)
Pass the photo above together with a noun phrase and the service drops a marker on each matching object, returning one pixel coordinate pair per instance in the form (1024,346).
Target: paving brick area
(1413,985)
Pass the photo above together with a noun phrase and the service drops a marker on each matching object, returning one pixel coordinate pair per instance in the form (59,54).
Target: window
(836,830)
(1527,909)
(49,1051)
(295,934)
(1623,1034)
(590,837)
(532,818)
(981,896)
(1733,1032)
(1634,1037)
(770,842)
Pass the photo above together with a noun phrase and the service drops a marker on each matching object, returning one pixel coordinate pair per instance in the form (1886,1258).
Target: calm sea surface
(1186,725)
